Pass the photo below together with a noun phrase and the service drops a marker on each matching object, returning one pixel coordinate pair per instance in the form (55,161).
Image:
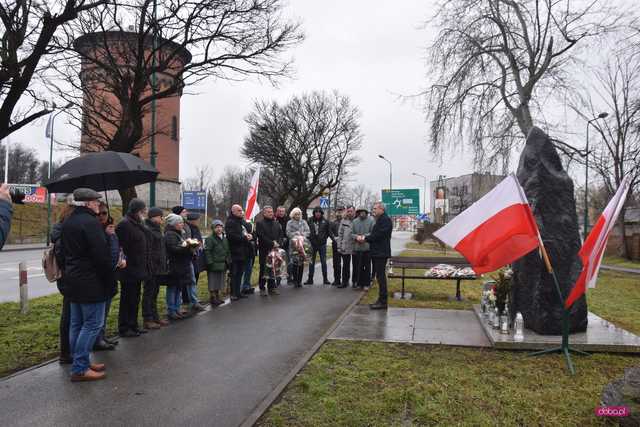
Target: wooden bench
(425,263)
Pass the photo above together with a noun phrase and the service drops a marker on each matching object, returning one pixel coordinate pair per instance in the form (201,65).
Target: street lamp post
(586,176)
(53,119)
(424,194)
(390,171)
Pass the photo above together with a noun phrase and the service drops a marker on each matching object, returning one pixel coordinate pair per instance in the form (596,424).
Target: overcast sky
(371,51)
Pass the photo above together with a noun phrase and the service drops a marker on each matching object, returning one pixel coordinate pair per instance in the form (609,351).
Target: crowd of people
(148,249)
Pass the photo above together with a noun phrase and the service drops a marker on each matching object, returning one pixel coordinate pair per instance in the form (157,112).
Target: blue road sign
(324,202)
(194,200)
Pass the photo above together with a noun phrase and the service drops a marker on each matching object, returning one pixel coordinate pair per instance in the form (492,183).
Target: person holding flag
(251,210)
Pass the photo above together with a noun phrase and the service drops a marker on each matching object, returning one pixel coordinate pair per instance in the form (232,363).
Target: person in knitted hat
(179,257)
(158,267)
(196,263)
(134,240)
(218,257)
(186,233)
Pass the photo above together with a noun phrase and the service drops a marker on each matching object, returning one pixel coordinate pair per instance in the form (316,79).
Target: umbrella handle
(106,195)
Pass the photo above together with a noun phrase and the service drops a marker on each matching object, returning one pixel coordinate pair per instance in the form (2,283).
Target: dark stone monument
(549,190)
(625,392)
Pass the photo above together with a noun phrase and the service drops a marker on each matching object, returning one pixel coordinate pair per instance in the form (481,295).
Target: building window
(174,128)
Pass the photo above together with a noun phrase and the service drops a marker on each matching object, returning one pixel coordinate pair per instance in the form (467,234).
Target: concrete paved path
(412,325)
(213,369)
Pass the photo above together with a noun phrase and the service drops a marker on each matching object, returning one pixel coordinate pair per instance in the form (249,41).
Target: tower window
(174,128)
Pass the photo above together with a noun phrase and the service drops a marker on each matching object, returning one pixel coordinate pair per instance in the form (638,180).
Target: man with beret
(88,275)
(134,239)
(158,264)
(196,264)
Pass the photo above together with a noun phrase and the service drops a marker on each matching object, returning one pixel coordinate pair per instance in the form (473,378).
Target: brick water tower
(117,49)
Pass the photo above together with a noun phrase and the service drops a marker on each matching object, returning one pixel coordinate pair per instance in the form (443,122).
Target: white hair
(381,204)
(295,211)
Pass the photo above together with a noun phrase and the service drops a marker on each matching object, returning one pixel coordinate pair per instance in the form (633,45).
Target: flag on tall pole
(251,208)
(494,231)
(595,244)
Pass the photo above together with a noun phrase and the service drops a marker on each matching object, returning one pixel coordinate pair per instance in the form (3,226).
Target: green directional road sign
(402,202)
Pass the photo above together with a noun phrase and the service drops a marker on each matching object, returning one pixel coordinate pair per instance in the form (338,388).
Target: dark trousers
(322,251)
(380,271)
(65,321)
(266,274)
(337,263)
(129,304)
(151,288)
(186,299)
(237,270)
(107,309)
(298,271)
(346,268)
(362,269)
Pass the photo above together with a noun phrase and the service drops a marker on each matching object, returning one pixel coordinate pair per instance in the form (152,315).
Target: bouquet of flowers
(300,250)
(276,261)
(502,288)
(192,244)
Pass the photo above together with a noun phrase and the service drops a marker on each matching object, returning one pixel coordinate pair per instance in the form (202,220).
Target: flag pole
(564,348)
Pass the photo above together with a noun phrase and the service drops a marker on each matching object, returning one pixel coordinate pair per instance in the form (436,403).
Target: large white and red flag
(494,231)
(251,208)
(595,244)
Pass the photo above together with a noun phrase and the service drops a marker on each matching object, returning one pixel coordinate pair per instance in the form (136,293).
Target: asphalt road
(213,369)
(38,284)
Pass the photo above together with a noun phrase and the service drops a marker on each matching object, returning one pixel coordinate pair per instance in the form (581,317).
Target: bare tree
(201,180)
(23,164)
(495,62)
(615,149)
(28,29)
(304,146)
(125,69)
(360,195)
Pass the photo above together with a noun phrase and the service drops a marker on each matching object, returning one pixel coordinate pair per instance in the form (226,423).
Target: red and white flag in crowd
(594,245)
(251,208)
(494,231)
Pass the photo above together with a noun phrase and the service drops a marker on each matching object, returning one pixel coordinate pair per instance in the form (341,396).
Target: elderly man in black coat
(380,250)
(88,276)
(135,242)
(240,247)
(269,234)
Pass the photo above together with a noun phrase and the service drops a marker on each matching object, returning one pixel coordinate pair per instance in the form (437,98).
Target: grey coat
(296,228)
(361,227)
(345,238)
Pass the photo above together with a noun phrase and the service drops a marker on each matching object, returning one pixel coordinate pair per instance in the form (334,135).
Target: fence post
(24,287)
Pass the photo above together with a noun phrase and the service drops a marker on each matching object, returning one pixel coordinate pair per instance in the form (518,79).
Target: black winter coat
(88,269)
(199,263)
(134,240)
(380,237)
(157,250)
(268,232)
(240,247)
(179,258)
(320,237)
(249,227)
(283,224)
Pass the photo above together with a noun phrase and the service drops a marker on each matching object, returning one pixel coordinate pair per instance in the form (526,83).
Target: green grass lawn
(621,262)
(350,383)
(381,384)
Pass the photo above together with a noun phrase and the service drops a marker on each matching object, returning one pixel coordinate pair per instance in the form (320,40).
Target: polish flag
(593,247)
(251,208)
(494,231)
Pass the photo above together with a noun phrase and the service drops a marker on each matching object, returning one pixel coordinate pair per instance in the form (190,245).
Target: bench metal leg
(458,296)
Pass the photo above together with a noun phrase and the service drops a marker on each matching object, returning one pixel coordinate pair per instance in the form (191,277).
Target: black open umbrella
(106,170)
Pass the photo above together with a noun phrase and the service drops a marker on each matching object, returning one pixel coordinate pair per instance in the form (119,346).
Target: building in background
(167,137)
(452,195)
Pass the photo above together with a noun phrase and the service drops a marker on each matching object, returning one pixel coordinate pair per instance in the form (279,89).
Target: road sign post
(402,201)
